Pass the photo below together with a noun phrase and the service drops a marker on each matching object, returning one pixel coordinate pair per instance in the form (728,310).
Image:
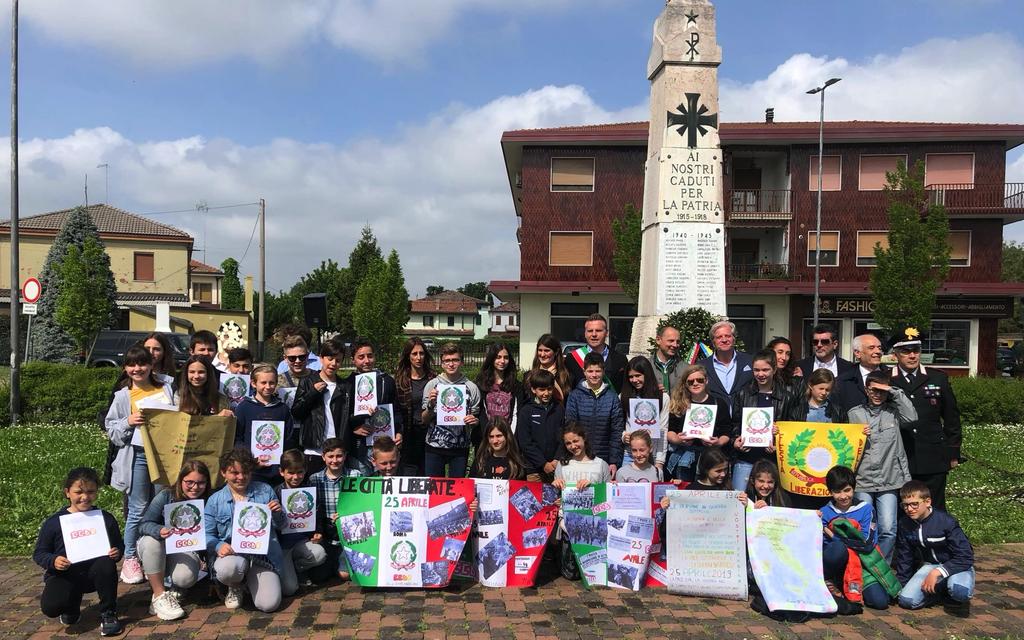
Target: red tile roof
(448,302)
(200,267)
(110,221)
(506,307)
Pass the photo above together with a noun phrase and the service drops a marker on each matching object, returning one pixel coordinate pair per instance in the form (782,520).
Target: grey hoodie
(884,465)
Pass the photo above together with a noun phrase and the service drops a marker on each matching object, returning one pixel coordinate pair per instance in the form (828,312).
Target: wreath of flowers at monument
(693,324)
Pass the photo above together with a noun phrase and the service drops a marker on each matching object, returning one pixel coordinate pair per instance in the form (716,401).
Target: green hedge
(989,400)
(60,393)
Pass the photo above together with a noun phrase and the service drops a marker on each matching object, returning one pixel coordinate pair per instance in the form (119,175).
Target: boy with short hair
(447,445)
(296,361)
(328,486)
(539,432)
(385,457)
(203,343)
(239,361)
(933,555)
(364,360)
(842,484)
(320,406)
(595,405)
(302,551)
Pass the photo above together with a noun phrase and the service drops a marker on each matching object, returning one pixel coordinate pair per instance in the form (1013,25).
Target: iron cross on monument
(692,119)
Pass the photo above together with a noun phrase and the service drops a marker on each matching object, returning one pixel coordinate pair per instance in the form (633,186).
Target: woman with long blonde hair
(684,452)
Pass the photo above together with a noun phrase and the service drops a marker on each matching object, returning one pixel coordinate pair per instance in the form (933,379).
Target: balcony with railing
(968,197)
(746,205)
(763,271)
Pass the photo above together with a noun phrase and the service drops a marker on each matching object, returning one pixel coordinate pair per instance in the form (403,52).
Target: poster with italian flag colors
(657,570)
(403,532)
(513,522)
(610,528)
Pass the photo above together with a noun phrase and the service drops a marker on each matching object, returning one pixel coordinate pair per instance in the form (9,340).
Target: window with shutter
(571,249)
(572,174)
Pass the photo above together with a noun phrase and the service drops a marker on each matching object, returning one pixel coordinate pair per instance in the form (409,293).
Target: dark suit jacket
(849,388)
(744,374)
(614,369)
(933,440)
(807,366)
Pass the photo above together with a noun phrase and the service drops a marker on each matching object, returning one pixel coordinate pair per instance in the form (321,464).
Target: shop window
(571,249)
(620,323)
(749,321)
(946,344)
(874,168)
(831,173)
(572,174)
(829,248)
(866,241)
(567,319)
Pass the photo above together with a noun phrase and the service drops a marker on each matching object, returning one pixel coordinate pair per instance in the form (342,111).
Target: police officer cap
(905,337)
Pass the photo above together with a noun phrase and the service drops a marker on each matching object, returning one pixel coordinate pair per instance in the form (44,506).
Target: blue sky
(341,113)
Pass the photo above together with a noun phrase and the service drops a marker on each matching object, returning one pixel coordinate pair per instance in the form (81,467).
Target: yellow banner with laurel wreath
(807,450)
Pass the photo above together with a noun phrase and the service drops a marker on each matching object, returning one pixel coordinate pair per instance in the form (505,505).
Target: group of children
(538,430)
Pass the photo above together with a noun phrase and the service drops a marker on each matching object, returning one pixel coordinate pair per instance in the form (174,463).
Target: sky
(342,113)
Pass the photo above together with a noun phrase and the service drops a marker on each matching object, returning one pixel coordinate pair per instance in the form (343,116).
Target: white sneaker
(233,599)
(131,571)
(165,606)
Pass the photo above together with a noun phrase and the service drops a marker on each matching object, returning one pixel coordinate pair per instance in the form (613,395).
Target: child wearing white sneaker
(193,483)
(261,574)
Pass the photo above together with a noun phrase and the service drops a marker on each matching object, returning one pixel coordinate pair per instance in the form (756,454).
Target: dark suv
(110,346)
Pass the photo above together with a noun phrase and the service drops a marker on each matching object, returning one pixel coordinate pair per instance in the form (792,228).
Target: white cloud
(940,80)
(436,190)
(187,32)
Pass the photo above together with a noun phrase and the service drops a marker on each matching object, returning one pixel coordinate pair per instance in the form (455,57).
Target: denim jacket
(220,510)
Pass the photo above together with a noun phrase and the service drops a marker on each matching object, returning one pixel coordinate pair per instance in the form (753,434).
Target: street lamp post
(817,225)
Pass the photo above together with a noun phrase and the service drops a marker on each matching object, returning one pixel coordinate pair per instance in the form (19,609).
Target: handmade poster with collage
(657,569)
(404,532)
(611,529)
(512,528)
(706,548)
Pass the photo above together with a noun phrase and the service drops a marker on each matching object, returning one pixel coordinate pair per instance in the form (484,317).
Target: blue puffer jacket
(600,413)
(936,539)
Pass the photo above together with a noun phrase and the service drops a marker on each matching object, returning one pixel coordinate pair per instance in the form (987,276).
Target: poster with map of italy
(784,548)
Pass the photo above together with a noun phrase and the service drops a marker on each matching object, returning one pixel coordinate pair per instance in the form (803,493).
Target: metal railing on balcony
(770,201)
(763,271)
(1008,195)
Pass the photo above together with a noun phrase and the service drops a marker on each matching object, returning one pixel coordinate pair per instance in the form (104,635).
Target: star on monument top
(691,17)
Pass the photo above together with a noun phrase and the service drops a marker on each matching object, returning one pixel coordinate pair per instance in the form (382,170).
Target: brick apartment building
(569,183)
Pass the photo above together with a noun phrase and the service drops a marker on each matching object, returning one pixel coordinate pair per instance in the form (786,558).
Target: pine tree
(365,256)
(628,233)
(232,296)
(908,273)
(82,309)
(381,306)
(50,341)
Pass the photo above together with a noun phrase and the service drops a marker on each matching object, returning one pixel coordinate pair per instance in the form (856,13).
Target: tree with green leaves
(477,290)
(231,294)
(381,307)
(628,233)
(1013,271)
(50,340)
(364,256)
(82,308)
(434,289)
(910,270)
(327,278)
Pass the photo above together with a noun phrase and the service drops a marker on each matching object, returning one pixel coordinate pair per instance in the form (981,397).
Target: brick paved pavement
(557,609)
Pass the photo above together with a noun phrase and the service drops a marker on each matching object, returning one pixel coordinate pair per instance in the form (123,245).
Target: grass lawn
(986,492)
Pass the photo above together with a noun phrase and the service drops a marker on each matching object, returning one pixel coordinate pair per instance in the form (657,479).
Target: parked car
(1008,363)
(111,344)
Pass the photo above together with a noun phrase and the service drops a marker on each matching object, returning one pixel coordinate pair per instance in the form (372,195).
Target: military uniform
(933,440)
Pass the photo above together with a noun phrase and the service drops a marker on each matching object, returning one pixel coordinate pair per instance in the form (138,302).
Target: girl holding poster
(642,383)
(411,378)
(65,582)
(763,391)
(684,452)
(197,393)
(271,418)
(499,457)
(193,483)
(233,567)
(129,472)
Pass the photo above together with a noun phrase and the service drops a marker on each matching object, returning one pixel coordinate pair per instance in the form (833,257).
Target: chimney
(769,115)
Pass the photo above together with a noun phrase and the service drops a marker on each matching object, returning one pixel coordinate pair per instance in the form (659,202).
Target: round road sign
(31,290)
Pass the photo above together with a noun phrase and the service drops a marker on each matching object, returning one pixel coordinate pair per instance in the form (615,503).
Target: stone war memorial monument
(683,252)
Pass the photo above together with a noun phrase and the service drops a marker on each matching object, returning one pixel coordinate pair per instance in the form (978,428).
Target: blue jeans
(834,556)
(959,586)
(886,505)
(140,492)
(434,464)
(740,474)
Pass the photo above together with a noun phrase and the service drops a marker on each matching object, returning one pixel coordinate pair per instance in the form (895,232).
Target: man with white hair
(728,369)
(849,388)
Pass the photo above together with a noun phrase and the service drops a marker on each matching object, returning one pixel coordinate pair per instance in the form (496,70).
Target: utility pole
(263,272)
(15,276)
(106,181)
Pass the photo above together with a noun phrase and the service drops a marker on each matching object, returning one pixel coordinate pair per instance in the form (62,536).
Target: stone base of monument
(644,329)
